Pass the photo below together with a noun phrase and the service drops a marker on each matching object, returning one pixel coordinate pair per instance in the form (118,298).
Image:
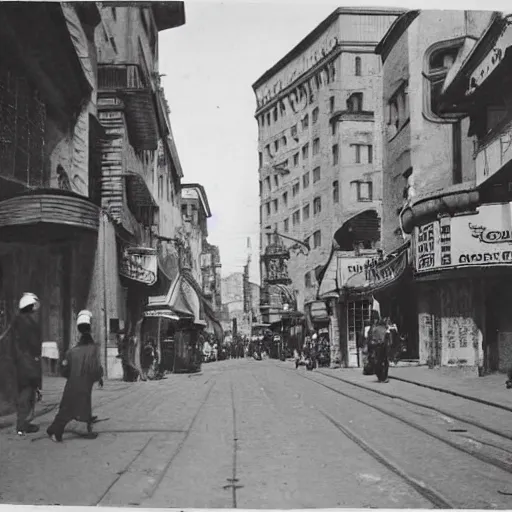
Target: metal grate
(22,130)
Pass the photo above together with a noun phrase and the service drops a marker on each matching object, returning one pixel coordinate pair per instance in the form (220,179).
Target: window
(260,156)
(296,218)
(355,102)
(370,153)
(397,111)
(262,120)
(305,122)
(305,180)
(269,235)
(358,66)
(317,205)
(276,145)
(160,186)
(274,205)
(317,239)
(295,189)
(335,192)
(268,118)
(114,13)
(305,212)
(334,127)
(275,114)
(293,132)
(363,153)
(316,146)
(315,115)
(284,141)
(267,208)
(439,60)
(335,154)
(316,174)
(286,225)
(364,190)
(305,151)
(307,279)
(296,159)
(261,187)
(267,183)
(276,180)
(285,199)
(331,104)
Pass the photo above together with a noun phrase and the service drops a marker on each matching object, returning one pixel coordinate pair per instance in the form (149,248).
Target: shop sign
(349,267)
(139,265)
(481,239)
(161,313)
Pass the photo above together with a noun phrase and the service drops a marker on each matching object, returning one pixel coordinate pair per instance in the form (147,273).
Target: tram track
(493,461)
(148,494)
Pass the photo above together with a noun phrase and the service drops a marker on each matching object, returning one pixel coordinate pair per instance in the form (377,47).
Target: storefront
(463,271)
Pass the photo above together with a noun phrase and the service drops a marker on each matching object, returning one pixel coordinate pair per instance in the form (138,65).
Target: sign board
(161,313)
(481,239)
(139,264)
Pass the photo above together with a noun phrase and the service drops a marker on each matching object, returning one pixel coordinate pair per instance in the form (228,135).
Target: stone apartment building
(318,113)
(429,193)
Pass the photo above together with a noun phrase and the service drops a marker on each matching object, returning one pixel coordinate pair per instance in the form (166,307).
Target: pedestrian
(147,359)
(27,347)
(380,336)
(82,368)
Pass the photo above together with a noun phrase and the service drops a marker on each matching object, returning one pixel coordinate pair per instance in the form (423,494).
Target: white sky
(210,64)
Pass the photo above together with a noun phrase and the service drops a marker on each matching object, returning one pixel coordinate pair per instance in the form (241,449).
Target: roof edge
(397,28)
(203,196)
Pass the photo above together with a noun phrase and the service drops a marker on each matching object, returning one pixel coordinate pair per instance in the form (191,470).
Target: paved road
(251,434)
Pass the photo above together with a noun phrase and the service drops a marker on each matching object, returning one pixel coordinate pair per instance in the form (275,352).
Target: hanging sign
(139,264)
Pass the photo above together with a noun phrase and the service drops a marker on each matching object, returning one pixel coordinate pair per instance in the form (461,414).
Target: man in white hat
(27,356)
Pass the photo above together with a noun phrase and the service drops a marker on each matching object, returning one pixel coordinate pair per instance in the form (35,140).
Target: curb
(454,393)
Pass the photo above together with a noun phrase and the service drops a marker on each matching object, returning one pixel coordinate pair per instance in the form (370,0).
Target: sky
(210,64)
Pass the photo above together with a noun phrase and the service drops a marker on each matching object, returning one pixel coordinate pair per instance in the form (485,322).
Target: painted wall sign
(482,239)
(139,265)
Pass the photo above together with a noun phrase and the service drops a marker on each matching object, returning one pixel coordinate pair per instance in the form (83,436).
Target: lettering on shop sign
(426,247)
(486,257)
(446,241)
(488,236)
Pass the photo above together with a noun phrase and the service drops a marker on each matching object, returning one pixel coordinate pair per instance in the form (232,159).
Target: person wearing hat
(27,348)
(82,368)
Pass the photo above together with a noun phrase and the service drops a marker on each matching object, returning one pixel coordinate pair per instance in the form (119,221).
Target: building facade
(320,164)
(429,195)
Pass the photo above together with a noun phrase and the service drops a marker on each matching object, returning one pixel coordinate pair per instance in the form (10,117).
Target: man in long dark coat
(82,368)
(27,345)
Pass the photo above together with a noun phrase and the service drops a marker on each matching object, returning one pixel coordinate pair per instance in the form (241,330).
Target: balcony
(132,87)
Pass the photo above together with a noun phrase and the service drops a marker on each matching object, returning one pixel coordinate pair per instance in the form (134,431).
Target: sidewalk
(463,382)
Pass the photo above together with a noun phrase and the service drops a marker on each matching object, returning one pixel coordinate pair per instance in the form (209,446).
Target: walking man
(82,368)
(27,356)
(380,342)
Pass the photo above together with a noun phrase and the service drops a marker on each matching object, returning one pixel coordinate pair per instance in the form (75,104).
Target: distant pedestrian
(27,346)
(82,368)
(379,335)
(147,359)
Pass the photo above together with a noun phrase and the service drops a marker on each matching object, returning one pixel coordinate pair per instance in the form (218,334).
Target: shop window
(285,199)
(439,58)
(358,66)
(316,174)
(317,205)
(315,115)
(336,192)
(286,225)
(355,102)
(305,212)
(335,154)
(332,103)
(296,218)
(317,239)
(295,189)
(316,146)
(305,180)
(296,159)
(358,313)
(305,152)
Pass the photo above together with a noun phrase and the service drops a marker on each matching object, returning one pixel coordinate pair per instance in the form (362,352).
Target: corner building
(320,166)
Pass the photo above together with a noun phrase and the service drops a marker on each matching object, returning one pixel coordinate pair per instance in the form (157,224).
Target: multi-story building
(429,188)
(211,272)
(320,163)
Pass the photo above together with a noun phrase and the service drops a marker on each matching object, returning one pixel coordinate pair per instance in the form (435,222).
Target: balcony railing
(120,76)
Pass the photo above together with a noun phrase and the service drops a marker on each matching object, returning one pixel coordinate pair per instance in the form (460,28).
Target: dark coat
(27,346)
(82,369)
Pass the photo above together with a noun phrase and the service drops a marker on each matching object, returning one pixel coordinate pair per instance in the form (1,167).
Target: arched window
(358,66)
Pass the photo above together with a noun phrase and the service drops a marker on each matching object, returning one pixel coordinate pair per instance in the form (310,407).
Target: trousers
(381,361)
(25,406)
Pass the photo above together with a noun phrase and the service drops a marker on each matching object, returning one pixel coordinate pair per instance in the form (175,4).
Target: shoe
(90,435)
(31,428)
(55,438)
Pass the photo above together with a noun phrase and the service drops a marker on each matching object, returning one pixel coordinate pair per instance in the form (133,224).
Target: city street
(252,434)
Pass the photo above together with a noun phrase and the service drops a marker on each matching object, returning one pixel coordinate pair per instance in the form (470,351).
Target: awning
(176,302)
(379,275)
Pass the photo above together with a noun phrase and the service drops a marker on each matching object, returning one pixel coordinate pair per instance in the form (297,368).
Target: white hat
(29,299)
(84,317)
(314,337)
